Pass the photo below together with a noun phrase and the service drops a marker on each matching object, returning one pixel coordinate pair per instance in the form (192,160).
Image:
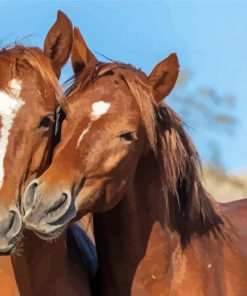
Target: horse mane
(34,58)
(190,208)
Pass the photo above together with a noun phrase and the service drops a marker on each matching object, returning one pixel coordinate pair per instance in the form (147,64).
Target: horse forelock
(20,56)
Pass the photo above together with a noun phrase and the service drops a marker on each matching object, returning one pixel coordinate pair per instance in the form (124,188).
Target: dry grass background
(224,187)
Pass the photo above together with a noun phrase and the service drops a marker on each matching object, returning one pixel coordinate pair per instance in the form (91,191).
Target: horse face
(100,143)
(24,142)
(29,96)
(102,140)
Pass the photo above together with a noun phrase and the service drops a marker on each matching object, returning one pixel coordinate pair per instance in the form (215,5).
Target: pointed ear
(81,56)
(58,42)
(163,77)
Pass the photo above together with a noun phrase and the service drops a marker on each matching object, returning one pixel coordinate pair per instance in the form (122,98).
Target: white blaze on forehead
(98,109)
(9,106)
(84,132)
(15,86)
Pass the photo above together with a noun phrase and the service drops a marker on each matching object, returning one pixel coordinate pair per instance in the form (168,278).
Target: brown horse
(29,96)
(126,157)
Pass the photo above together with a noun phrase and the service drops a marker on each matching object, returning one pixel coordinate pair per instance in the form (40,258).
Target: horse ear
(81,56)
(163,77)
(59,41)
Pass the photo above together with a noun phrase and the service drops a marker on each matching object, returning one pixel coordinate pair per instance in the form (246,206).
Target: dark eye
(128,137)
(45,122)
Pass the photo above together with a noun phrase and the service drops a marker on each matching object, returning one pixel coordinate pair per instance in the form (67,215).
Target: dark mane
(190,208)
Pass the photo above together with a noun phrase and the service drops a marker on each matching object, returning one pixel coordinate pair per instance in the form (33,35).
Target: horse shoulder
(235,219)
(235,214)
(235,251)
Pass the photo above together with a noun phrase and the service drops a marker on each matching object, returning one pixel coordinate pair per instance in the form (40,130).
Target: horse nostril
(29,195)
(13,225)
(58,205)
(11,220)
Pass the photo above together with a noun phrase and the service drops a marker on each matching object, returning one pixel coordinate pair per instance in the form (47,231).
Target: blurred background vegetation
(212,114)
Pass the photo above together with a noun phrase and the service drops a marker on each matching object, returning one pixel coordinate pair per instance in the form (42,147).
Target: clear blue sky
(210,38)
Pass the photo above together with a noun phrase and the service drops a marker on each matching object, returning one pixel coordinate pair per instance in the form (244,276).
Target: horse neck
(45,267)
(127,235)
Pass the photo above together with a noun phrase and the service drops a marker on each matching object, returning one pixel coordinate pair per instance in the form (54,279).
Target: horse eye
(45,122)
(128,137)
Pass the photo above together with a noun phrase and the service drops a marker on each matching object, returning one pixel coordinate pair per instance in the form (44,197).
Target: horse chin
(9,250)
(52,235)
